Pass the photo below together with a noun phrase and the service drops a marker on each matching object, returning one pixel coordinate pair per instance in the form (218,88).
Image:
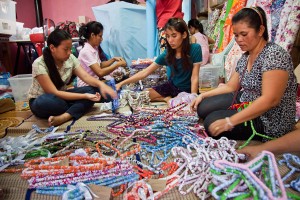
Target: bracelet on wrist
(228,123)
(201,96)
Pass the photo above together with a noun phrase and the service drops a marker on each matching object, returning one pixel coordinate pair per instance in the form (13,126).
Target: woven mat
(81,123)
(15,188)
(23,114)
(12,119)
(6,122)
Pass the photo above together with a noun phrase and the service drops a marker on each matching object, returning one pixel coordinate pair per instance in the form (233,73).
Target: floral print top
(281,119)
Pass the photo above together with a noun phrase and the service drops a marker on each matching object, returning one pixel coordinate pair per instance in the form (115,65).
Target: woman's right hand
(117,59)
(118,86)
(93,97)
(251,151)
(120,61)
(195,102)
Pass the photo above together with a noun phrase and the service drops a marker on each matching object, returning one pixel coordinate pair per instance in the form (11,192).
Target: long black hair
(180,26)
(196,24)
(55,38)
(255,17)
(86,30)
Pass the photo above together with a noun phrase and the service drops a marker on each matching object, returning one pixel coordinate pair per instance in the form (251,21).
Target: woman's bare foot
(58,120)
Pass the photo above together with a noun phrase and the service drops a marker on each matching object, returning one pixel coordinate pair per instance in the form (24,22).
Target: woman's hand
(120,61)
(250,151)
(117,58)
(106,90)
(195,102)
(118,86)
(220,126)
(93,97)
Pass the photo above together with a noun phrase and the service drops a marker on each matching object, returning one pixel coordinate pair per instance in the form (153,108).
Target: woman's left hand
(93,97)
(218,127)
(117,58)
(251,151)
(122,63)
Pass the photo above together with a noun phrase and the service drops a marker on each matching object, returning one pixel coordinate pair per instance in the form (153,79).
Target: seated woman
(263,76)
(49,96)
(89,56)
(196,29)
(183,59)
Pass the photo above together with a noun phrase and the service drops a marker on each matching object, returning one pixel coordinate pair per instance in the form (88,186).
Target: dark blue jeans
(48,105)
(216,107)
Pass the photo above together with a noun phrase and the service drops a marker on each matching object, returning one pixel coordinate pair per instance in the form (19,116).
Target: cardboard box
(83,19)
(209,76)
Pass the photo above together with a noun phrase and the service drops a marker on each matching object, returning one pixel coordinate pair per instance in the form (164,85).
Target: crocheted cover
(15,188)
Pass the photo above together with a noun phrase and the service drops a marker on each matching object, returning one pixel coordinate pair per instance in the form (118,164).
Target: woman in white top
(91,37)
(196,29)
(49,97)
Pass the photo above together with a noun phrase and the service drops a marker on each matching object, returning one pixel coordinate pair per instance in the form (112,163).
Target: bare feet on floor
(58,120)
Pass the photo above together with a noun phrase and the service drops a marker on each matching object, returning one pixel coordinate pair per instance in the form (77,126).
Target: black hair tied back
(82,33)
(55,38)
(86,30)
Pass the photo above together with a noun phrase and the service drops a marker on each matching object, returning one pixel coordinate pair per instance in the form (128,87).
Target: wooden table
(28,55)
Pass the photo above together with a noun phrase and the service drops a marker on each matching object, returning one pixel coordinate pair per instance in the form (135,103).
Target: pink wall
(62,10)
(57,10)
(26,13)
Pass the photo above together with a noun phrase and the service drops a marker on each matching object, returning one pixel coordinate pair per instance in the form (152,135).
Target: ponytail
(197,25)
(82,34)
(53,72)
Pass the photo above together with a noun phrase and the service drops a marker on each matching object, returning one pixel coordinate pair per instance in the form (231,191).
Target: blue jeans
(48,105)
(216,107)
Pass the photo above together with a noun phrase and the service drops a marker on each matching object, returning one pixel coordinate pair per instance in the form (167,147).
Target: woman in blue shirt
(183,59)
